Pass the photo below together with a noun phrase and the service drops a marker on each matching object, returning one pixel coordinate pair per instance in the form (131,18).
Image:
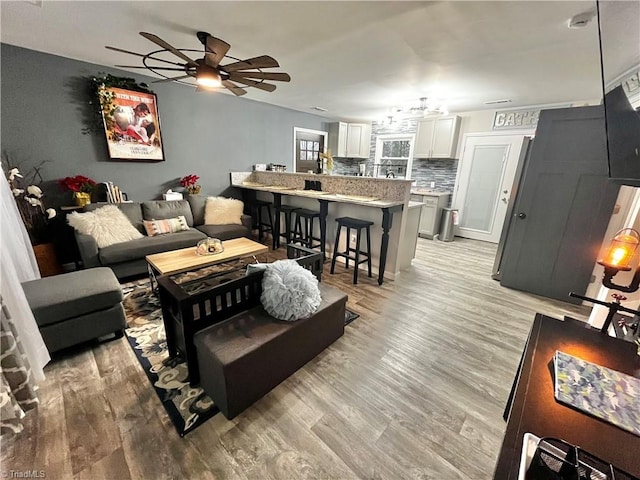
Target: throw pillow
(107,225)
(289,291)
(223,211)
(167,225)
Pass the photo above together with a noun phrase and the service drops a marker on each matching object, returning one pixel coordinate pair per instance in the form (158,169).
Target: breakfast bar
(360,197)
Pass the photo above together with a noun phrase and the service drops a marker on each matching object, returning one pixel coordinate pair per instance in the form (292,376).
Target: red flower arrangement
(79,183)
(190,183)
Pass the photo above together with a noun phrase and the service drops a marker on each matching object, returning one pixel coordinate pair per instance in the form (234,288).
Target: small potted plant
(190,184)
(81,187)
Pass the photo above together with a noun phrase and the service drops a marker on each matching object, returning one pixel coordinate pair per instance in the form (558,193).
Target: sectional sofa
(127,259)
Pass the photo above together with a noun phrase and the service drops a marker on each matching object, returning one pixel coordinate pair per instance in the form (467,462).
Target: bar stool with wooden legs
(358,225)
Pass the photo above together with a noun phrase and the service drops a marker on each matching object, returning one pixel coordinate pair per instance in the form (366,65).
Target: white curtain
(18,264)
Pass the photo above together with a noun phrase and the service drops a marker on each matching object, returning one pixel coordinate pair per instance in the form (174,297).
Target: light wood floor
(414,389)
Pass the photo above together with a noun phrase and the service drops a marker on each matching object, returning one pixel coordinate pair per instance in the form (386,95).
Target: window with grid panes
(393,158)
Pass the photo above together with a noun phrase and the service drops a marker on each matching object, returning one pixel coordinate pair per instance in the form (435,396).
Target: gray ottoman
(75,307)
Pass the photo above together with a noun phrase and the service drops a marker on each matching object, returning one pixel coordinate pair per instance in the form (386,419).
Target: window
(309,150)
(394,156)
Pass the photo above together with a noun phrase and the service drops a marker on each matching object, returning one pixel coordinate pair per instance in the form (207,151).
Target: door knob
(505,191)
(522,215)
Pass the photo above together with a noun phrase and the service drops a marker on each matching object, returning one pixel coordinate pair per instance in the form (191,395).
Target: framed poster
(132,125)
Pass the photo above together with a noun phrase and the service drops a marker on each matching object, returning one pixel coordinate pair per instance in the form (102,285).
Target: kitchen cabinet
(437,137)
(431,212)
(350,140)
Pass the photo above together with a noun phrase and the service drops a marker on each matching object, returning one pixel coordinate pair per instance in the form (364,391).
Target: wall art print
(132,125)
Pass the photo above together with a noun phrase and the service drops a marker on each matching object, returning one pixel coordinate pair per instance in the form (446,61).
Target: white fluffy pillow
(289,292)
(223,211)
(108,225)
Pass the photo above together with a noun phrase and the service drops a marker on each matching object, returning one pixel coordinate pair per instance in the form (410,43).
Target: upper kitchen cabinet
(437,137)
(351,140)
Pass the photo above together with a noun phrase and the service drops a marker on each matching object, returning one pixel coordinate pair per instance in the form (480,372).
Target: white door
(485,177)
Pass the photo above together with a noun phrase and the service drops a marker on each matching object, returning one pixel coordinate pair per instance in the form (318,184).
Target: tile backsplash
(347,166)
(438,170)
(424,171)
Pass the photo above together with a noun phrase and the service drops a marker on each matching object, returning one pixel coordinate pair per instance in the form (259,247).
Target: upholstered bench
(244,357)
(75,307)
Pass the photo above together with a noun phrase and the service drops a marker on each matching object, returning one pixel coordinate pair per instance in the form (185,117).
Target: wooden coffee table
(185,259)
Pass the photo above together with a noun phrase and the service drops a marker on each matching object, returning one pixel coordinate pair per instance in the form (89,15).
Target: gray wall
(44,108)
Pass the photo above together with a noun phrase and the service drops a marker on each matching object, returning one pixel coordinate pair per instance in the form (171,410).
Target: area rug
(187,407)
(349,316)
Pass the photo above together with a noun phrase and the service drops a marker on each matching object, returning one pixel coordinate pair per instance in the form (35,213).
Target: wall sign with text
(513,119)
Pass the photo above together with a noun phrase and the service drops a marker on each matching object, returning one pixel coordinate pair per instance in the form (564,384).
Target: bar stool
(359,225)
(305,236)
(263,226)
(288,211)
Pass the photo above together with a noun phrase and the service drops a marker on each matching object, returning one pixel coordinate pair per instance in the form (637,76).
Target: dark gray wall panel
(567,199)
(210,135)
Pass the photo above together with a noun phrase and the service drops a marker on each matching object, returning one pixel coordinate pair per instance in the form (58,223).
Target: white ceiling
(356,59)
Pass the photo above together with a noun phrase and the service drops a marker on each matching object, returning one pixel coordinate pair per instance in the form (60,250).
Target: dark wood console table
(532,407)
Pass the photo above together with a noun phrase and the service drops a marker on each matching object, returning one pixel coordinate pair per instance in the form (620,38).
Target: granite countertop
(333,197)
(429,193)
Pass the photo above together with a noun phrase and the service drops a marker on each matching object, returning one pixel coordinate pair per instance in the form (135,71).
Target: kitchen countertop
(413,204)
(358,187)
(332,197)
(428,193)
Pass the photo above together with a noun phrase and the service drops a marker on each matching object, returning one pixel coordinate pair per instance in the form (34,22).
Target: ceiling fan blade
(141,55)
(265,61)
(267,87)
(158,41)
(155,68)
(234,88)
(280,77)
(215,51)
(171,79)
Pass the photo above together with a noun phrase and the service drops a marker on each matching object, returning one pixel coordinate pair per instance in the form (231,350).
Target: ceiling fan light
(208,78)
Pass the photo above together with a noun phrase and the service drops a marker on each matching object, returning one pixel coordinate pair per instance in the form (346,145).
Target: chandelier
(427,106)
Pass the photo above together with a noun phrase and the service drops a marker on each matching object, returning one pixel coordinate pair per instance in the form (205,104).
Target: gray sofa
(128,258)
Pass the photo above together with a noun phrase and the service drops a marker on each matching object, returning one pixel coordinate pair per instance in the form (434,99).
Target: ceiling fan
(207,71)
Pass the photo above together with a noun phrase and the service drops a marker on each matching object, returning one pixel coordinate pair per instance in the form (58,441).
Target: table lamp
(616,259)
(620,252)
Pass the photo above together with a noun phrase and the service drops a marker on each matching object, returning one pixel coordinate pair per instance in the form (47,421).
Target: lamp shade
(621,250)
